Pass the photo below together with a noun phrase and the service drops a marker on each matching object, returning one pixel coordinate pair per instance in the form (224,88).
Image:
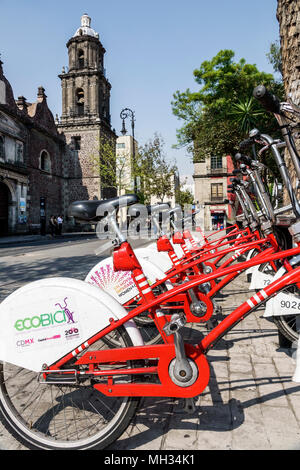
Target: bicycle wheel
(288,325)
(61,417)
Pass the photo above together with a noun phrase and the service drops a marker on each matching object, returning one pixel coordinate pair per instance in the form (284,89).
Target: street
(250,402)
(36,260)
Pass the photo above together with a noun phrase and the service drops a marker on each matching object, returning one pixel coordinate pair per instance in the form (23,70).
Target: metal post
(125,113)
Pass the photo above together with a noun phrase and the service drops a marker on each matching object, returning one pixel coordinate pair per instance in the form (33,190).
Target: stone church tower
(85,115)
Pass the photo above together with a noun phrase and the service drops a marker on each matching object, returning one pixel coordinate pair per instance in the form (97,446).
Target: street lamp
(125,113)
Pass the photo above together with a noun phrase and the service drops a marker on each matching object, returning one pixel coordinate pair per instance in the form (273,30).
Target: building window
(217,191)
(215,162)
(80,101)
(2,148)
(121,145)
(76,142)
(80,59)
(45,161)
(19,152)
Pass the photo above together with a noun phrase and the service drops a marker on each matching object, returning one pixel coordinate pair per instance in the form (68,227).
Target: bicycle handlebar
(269,101)
(243,158)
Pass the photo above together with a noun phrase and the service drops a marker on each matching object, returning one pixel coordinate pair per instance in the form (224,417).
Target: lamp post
(125,113)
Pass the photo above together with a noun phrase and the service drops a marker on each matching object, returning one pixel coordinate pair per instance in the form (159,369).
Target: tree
(217,116)
(288,15)
(274,57)
(184,197)
(111,166)
(153,171)
(246,114)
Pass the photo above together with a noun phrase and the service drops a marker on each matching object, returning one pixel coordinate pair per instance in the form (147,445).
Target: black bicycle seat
(93,210)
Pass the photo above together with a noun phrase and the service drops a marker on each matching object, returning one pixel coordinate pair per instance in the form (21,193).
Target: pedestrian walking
(59,224)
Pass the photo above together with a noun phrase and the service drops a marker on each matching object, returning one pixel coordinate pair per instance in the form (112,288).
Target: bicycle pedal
(177,322)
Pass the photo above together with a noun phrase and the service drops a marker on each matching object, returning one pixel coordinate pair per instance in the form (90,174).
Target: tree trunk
(288,16)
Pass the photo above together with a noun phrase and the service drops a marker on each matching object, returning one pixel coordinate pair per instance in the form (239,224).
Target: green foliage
(219,115)
(104,162)
(183,197)
(274,57)
(246,114)
(154,172)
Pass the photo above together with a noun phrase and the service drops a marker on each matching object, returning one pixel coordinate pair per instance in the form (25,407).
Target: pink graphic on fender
(67,311)
(118,283)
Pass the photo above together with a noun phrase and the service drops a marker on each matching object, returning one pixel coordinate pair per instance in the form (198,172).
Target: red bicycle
(62,388)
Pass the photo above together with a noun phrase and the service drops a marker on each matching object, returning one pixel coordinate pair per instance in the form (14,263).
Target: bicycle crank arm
(165,356)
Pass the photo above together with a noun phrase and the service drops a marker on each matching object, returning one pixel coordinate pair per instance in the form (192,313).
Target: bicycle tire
(71,410)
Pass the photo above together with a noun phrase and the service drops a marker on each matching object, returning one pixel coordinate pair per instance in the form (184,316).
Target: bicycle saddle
(94,209)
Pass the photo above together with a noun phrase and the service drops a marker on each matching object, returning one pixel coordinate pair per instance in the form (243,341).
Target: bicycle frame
(159,357)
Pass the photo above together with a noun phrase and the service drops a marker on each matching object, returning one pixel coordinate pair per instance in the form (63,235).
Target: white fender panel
(269,310)
(282,304)
(249,256)
(159,259)
(260,280)
(119,284)
(178,250)
(45,320)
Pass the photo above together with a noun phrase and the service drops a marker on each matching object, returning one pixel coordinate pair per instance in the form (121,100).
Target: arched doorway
(4,201)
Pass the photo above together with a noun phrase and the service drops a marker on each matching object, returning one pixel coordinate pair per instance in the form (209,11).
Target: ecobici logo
(64,315)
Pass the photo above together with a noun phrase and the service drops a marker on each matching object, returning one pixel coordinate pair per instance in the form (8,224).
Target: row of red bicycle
(76,356)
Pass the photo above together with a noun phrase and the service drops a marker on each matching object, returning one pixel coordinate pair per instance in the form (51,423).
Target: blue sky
(152,49)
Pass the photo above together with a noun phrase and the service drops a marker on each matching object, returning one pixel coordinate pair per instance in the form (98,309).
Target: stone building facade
(46,164)
(85,118)
(31,155)
(211,178)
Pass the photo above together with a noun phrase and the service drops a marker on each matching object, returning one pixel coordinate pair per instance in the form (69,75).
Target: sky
(152,49)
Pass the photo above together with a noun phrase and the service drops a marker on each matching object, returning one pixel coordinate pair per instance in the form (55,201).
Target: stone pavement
(250,402)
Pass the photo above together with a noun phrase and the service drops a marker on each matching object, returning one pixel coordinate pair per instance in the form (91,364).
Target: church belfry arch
(85,114)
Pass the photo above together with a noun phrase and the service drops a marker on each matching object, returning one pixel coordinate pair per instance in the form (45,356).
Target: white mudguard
(198,237)
(160,259)
(119,284)
(44,320)
(282,303)
(260,280)
(178,250)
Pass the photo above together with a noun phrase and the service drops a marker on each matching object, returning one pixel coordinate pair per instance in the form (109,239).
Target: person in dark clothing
(53,225)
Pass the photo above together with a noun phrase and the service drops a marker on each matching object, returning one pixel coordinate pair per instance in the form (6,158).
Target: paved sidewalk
(250,402)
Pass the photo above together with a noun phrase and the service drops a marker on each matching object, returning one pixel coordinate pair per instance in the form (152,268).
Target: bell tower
(85,117)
